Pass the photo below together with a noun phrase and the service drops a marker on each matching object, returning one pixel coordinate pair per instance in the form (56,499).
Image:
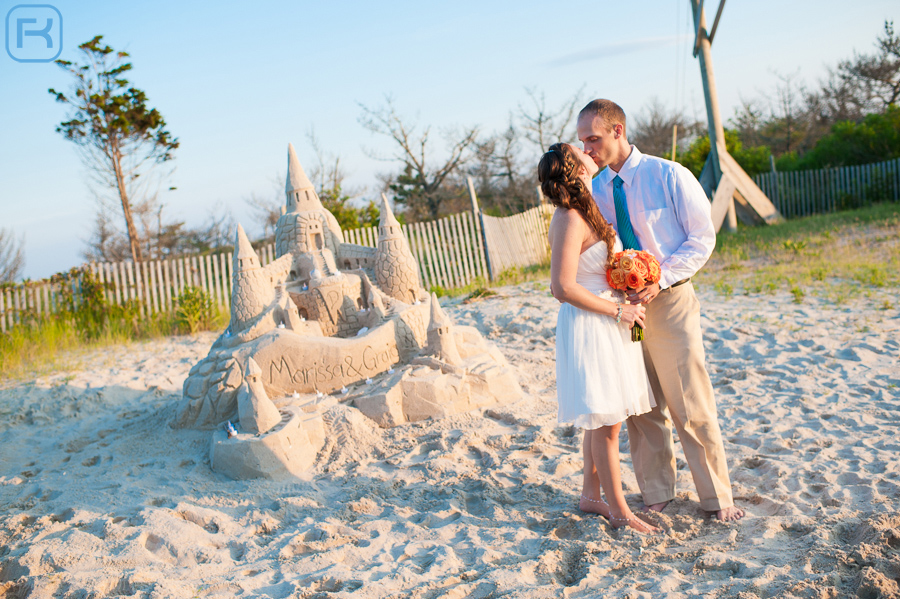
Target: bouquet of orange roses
(632,270)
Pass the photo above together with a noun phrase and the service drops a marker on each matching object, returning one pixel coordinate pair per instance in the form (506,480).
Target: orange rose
(634,280)
(653,271)
(616,278)
(640,267)
(626,263)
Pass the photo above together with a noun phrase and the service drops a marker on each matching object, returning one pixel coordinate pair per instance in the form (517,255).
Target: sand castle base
(429,388)
(287,450)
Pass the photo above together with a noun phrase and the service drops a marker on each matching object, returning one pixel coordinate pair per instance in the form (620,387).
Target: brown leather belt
(681,282)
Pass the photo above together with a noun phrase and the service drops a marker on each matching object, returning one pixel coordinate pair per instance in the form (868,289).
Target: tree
(877,76)
(792,119)
(543,126)
(121,138)
(504,166)
(105,244)
(651,128)
(328,176)
(420,188)
(501,172)
(753,160)
(12,256)
(875,139)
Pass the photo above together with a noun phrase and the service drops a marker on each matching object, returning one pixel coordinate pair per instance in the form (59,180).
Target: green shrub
(193,310)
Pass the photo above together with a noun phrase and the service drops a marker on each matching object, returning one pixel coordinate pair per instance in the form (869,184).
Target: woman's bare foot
(730,514)
(633,522)
(594,506)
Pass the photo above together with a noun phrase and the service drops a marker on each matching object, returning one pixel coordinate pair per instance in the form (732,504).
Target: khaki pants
(674,356)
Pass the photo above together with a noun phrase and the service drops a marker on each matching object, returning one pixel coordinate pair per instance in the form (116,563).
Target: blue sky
(237,82)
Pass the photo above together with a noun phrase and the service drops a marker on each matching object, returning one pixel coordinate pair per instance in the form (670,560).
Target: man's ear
(619,129)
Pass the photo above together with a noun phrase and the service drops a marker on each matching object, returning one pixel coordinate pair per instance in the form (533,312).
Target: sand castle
(329,317)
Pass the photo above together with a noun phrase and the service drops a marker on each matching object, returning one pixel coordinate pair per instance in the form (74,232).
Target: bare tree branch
(543,126)
(420,187)
(12,255)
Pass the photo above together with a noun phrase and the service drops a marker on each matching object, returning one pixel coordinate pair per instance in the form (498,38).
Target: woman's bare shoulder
(566,224)
(564,218)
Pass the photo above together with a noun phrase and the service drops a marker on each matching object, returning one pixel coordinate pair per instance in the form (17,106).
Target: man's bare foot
(656,507)
(594,506)
(730,514)
(633,522)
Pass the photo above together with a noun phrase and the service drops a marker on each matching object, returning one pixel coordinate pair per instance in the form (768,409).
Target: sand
(99,497)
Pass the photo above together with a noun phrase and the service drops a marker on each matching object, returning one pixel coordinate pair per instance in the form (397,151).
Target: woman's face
(590,168)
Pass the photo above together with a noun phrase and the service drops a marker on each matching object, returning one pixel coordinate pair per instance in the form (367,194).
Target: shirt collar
(626,172)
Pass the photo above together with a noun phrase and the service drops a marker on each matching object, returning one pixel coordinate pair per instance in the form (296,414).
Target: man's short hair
(611,113)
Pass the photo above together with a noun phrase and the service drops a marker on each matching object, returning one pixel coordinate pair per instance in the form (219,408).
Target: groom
(658,206)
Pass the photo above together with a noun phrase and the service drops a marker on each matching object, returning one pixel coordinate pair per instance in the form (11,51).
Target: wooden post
(720,164)
(476,213)
(674,140)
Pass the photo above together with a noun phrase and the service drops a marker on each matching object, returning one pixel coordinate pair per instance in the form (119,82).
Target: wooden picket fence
(153,285)
(802,193)
(451,252)
(518,240)
(448,250)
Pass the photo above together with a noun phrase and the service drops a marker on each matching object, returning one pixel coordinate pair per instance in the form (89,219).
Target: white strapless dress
(600,375)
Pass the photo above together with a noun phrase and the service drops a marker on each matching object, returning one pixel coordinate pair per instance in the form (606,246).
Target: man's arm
(692,211)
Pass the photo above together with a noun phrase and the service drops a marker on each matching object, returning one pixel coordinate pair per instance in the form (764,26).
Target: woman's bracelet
(619,314)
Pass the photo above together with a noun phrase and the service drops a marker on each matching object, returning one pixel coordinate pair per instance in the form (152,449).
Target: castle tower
(305,229)
(256,412)
(301,195)
(246,299)
(441,342)
(252,286)
(396,271)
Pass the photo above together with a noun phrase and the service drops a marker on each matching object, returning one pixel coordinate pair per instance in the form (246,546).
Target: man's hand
(644,295)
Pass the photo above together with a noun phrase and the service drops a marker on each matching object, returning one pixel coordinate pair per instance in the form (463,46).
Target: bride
(600,376)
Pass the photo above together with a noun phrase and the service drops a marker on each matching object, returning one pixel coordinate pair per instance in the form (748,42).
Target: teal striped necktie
(626,233)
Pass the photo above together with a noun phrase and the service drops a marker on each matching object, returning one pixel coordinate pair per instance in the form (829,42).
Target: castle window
(347,264)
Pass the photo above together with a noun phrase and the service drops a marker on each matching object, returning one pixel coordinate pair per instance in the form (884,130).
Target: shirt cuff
(665,279)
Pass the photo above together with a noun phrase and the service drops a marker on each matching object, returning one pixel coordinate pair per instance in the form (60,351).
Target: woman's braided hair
(558,172)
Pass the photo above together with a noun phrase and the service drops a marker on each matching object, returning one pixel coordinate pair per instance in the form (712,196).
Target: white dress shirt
(668,209)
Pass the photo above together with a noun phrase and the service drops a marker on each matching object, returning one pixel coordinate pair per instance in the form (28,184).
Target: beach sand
(100,497)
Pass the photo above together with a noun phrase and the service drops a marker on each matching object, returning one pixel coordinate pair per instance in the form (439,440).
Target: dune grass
(38,345)
(831,255)
(834,255)
(480,287)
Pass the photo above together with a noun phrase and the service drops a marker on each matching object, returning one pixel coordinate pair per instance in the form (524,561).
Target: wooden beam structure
(732,192)
(712,32)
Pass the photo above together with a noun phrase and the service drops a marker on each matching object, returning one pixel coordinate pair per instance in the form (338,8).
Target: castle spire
(438,317)
(301,195)
(387,220)
(296,176)
(256,412)
(396,270)
(245,257)
(441,342)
